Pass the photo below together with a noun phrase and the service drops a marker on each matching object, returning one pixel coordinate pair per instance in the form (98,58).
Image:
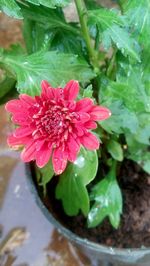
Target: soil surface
(134,229)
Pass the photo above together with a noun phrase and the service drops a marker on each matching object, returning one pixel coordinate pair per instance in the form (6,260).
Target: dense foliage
(107,51)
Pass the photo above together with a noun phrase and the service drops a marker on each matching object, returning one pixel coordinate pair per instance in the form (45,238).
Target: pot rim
(72,236)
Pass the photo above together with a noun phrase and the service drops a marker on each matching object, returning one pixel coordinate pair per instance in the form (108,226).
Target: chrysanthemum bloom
(54,124)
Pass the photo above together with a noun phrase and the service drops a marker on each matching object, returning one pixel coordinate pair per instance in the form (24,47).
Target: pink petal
(27,99)
(39,144)
(99,113)
(13,141)
(20,111)
(79,130)
(15,106)
(71,106)
(47,90)
(59,160)
(81,118)
(71,90)
(28,154)
(43,156)
(73,149)
(38,100)
(21,119)
(90,125)
(84,105)
(58,94)
(22,132)
(90,141)
(45,86)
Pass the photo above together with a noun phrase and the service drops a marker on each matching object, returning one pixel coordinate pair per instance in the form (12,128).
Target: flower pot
(98,254)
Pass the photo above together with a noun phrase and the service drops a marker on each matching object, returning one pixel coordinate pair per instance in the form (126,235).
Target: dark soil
(134,230)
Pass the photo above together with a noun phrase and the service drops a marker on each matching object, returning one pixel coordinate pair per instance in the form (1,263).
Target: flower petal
(73,149)
(22,132)
(71,90)
(14,106)
(84,105)
(90,125)
(28,154)
(79,130)
(21,119)
(39,144)
(90,141)
(81,118)
(47,90)
(45,86)
(43,156)
(13,141)
(59,160)
(99,113)
(27,99)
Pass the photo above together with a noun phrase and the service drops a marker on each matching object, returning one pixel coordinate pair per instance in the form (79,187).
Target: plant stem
(82,13)
(113,170)
(111,64)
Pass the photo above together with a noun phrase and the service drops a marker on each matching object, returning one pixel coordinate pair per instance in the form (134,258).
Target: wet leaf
(6,86)
(113,30)
(12,8)
(115,149)
(48,19)
(71,188)
(122,119)
(108,202)
(46,173)
(138,152)
(88,92)
(51,66)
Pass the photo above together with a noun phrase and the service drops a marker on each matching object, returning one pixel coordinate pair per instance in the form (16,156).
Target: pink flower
(54,125)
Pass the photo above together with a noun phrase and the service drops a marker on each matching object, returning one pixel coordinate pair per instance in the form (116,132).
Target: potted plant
(83,118)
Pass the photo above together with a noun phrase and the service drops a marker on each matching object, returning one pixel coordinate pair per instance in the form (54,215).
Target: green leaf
(138,152)
(71,188)
(67,42)
(132,95)
(51,31)
(42,37)
(122,119)
(6,86)
(51,66)
(47,173)
(12,8)
(111,26)
(91,4)
(108,202)
(50,3)
(88,92)
(136,97)
(138,16)
(115,149)
(143,133)
(47,18)
(128,102)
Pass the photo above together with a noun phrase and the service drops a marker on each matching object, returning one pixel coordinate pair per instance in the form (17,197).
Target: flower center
(52,122)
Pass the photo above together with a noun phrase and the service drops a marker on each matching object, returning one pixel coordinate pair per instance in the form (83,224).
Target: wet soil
(134,229)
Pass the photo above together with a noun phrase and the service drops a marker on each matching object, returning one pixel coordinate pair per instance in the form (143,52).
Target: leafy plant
(107,51)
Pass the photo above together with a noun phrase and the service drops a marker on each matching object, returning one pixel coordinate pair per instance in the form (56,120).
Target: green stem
(121,6)
(111,64)
(82,13)
(113,170)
